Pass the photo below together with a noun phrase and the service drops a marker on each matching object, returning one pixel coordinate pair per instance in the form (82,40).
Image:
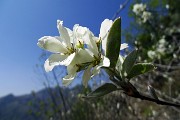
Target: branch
(61,94)
(121,7)
(130,90)
(158,92)
(167,66)
(143,97)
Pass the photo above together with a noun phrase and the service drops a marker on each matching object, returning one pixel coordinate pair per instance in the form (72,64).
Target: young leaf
(128,63)
(114,42)
(102,90)
(140,68)
(152,92)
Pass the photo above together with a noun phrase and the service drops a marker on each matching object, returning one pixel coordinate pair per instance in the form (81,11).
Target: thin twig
(61,94)
(121,7)
(143,97)
(158,92)
(130,90)
(167,66)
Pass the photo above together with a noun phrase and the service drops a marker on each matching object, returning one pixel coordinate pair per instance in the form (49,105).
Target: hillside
(35,106)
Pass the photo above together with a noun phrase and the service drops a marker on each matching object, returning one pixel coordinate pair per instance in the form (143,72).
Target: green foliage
(140,68)
(102,90)
(114,42)
(128,63)
(154,3)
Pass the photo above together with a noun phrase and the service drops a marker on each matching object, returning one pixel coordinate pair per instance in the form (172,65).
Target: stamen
(99,43)
(80,44)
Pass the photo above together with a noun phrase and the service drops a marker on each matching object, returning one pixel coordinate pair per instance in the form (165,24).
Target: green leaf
(102,90)
(140,68)
(164,2)
(154,3)
(114,42)
(128,63)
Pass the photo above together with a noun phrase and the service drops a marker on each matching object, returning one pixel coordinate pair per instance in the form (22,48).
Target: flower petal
(104,30)
(83,34)
(123,46)
(82,56)
(79,34)
(105,62)
(105,27)
(79,31)
(72,69)
(68,60)
(87,75)
(53,61)
(51,44)
(119,63)
(48,67)
(68,79)
(64,32)
(92,46)
(95,71)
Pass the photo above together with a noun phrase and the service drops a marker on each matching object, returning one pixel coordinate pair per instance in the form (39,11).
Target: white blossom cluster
(160,49)
(140,11)
(78,49)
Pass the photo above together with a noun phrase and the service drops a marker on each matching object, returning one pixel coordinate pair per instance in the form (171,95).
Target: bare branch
(121,7)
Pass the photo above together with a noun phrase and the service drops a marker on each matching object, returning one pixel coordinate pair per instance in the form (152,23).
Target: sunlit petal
(87,76)
(92,46)
(119,63)
(105,27)
(104,30)
(51,44)
(47,66)
(64,32)
(72,69)
(68,79)
(68,60)
(105,62)
(82,56)
(124,45)
(53,61)
(95,71)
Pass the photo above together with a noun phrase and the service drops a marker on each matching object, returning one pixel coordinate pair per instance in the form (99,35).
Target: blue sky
(23,22)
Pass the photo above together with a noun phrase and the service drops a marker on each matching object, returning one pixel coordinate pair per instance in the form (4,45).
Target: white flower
(78,50)
(151,54)
(162,41)
(99,59)
(81,35)
(65,47)
(94,69)
(146,16)
(161,47)
(167,6)
(139,8)
(174,55)
(80,62)
(84,61)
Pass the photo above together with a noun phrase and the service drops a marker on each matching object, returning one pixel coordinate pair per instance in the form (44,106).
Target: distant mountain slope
(29,107)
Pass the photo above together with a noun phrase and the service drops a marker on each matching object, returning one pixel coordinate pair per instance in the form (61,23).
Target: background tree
(158,40)
(154,31)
